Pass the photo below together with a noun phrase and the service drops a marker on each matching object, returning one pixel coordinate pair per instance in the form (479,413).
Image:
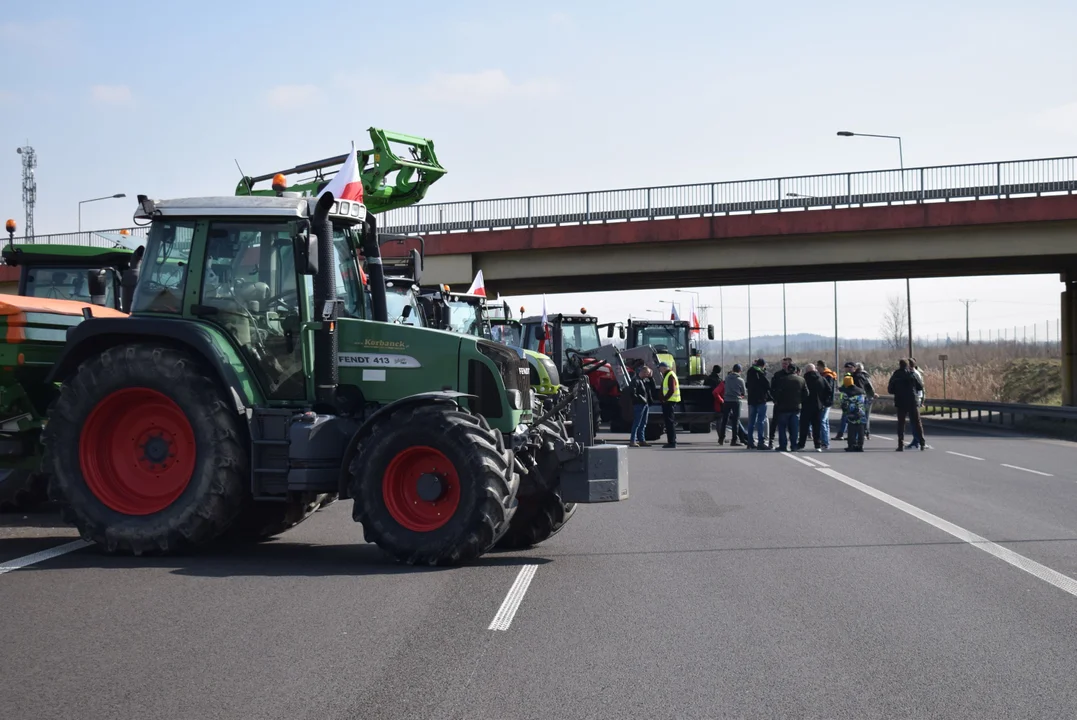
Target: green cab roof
(66,255)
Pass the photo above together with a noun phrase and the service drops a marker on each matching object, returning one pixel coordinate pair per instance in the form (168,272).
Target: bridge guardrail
(942,183)
(937,407)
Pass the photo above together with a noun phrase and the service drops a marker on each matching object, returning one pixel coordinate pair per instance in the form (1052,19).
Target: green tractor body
(256,376)
(81,273)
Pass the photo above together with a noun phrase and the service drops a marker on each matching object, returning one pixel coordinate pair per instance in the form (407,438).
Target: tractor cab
(563,333)
(96,275)
(672,340)
(403,273)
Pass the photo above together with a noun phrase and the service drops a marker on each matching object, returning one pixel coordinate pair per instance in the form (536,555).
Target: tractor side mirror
(710,332)
(417,265)
(306,254)
(621,331)
(406,313)
(609,331)
(540,333)
(97,283)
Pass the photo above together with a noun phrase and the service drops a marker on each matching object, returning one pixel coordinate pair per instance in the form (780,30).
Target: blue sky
(162,98)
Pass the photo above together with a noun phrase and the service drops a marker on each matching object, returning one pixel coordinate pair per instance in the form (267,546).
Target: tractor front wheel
(433,485)
(538,518)
(144,451)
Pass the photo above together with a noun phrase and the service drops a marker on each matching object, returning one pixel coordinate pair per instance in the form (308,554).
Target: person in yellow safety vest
(671,395)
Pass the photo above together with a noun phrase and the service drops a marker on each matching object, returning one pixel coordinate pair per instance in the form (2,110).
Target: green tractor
(672,340)
(252,379)
(57,283)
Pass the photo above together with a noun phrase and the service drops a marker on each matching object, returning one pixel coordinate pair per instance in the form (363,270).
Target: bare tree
(895,323)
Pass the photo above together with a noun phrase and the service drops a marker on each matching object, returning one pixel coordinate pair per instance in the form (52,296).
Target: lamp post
(967,303)
(692,292)
(901,164)
(104,197)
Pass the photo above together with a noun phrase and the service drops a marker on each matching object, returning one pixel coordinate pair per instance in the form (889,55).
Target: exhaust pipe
(326,373)
(375,270)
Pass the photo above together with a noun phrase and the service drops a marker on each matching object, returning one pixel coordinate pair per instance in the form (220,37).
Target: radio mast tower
(29,187)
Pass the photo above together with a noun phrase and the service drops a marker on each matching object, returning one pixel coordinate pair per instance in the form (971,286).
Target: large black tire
(486,480)
(211,496)
(264,519)
(653,432)
(538,518)
(22,490)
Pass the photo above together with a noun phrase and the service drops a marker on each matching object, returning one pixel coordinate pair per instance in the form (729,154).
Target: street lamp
(901,164)
(105,197)
(696,293)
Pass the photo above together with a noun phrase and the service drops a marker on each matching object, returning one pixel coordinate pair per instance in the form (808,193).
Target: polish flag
(478,287)
(545,327)
(347,183)
(694,317)
(673,315)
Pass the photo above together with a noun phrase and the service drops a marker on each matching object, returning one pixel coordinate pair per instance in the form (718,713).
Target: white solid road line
(802,461)
(970,457)
(19,563)
(882,437)
(1023,469)
(512,601)
(1060,581)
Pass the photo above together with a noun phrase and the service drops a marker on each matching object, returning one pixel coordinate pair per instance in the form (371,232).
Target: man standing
(641,389)
(831,380)
(671,395)
(778,374)
(758,391)
(848,369)
(917,440)
(789,392)
(714,379)
(860,376)
(811,419)
(731,400)
(852,411)
(903,386)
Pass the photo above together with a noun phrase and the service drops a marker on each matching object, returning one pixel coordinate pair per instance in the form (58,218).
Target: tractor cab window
(249,283)
(67,284)
(163,276)
(671,338)
(578,336)
(355,304)
(506,331)
(464,318)
(398,295)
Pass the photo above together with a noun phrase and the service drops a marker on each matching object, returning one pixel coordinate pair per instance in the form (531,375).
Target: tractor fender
(427,398)
(96,335)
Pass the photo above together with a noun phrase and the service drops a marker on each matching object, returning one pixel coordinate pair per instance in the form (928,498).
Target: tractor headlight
(514,399)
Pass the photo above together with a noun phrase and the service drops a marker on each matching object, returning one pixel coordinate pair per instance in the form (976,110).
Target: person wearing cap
(852,413)
(790,393)
(731,402)
(671,395)
(848,369)
(758,387)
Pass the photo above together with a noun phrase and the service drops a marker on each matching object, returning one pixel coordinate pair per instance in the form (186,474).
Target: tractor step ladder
(269,452)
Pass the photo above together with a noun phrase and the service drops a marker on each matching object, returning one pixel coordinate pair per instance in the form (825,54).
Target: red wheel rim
(421,489)
(137,451)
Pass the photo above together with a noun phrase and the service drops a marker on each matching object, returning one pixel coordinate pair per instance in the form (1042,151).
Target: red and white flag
(545,327)
(693,317)
(673,314)
(477,285)
(347,184)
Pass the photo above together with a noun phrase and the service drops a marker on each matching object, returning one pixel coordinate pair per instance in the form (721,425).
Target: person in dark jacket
(731,405)
(758,387)
(852,412)
(643,391)
(786,363)
(811,418)
(789,392)
(863,380)
(714,379)
(904,385)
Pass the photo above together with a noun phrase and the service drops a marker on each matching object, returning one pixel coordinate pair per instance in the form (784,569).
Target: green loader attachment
(396,172)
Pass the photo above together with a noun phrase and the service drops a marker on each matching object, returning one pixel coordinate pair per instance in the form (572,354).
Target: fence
(965,408)
(943,183)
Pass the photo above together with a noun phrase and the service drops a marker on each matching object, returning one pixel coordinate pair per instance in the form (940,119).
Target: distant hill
(801,347)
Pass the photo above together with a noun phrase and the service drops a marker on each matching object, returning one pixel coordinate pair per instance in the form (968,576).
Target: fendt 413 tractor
(247,380)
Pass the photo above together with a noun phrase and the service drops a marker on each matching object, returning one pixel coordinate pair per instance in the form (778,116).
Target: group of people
(802,398)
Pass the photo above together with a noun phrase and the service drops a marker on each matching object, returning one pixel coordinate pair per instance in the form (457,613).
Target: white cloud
(292,97)
(111,95)
(483,86)
(1061,119)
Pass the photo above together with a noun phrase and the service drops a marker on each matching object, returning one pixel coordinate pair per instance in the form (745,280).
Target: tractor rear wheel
(538,518)
(22,490)
(144,451)
(433,485)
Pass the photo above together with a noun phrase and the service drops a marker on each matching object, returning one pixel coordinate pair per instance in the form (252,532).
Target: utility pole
(967,303)
(908,311)
(29,188)
(785,331)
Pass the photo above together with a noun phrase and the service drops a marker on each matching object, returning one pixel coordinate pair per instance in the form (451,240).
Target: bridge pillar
(1069,338)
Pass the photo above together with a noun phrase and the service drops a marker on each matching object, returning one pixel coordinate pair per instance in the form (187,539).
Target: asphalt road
(731,584)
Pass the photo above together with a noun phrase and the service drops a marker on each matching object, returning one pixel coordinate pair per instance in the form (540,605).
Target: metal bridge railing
(855,189)
(86,237)
(942,183)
